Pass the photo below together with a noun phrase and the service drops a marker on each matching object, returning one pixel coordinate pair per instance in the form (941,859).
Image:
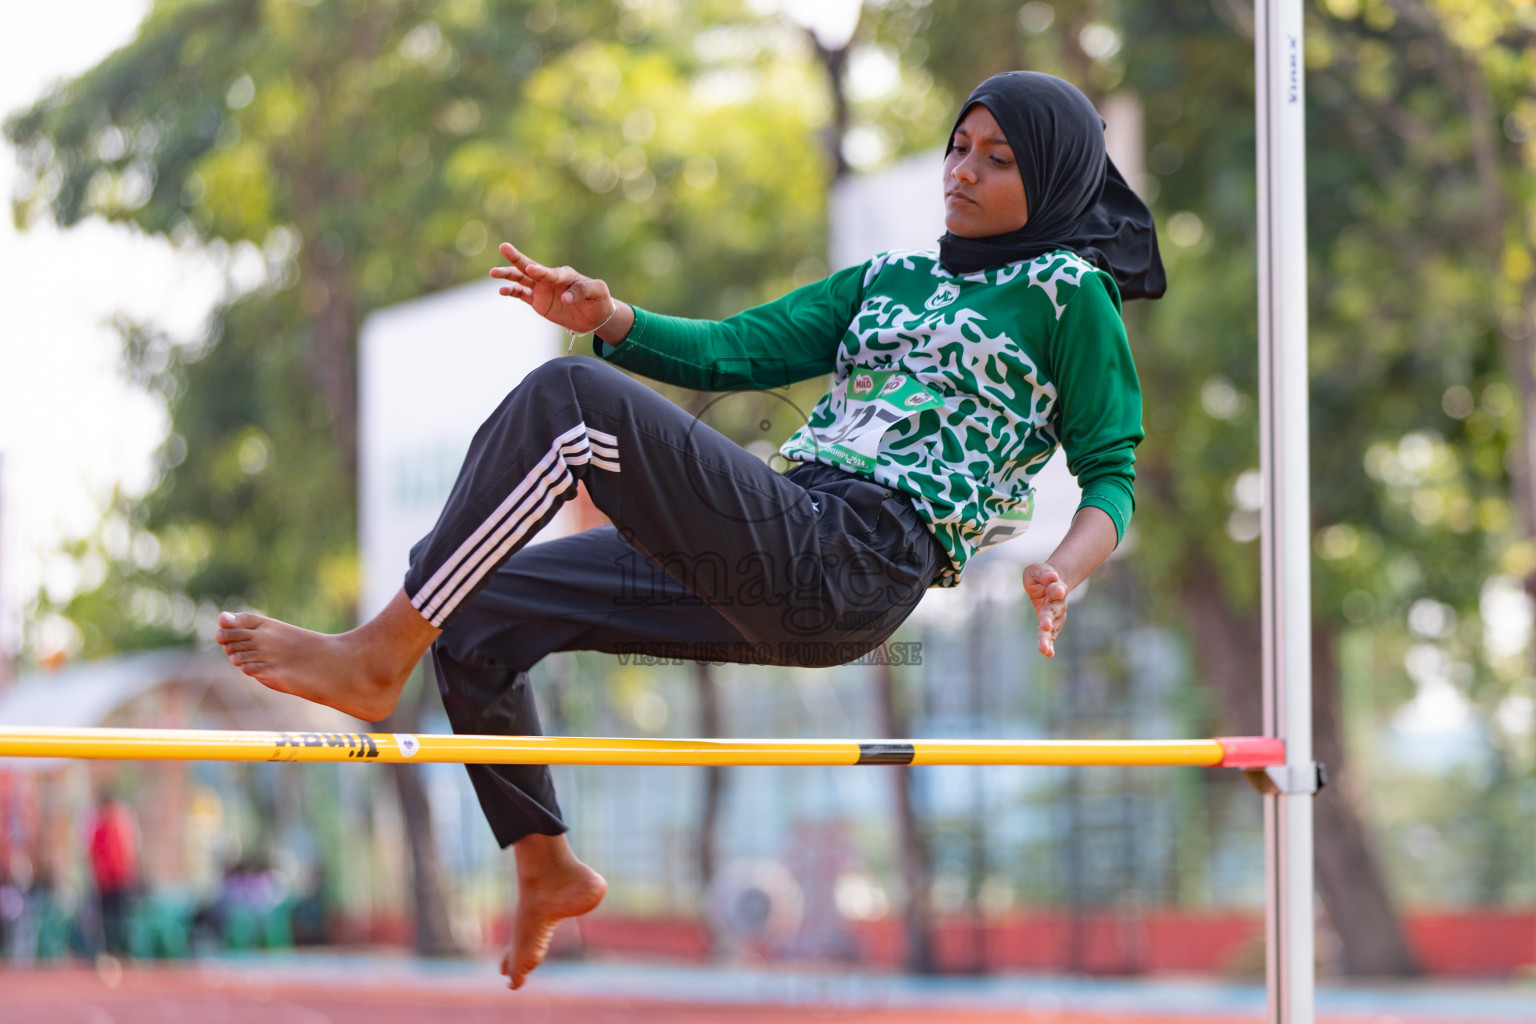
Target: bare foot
(360,672)
(552,886)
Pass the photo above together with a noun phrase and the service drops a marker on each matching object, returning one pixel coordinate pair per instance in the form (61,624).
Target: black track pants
(712,555)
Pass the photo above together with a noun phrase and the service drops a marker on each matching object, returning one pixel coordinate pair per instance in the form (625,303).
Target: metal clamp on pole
(1288,779)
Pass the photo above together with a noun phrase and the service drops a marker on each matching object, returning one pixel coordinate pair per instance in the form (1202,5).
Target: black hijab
(1077,198)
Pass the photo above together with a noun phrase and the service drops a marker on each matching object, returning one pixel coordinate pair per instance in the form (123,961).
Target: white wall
(900,207)
(10,598)
(429,372)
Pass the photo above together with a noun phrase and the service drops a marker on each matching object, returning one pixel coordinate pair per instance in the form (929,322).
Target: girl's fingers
(558,278)
(581,290)
(1052,615)
(535,271)
(1039,579)
(509,251)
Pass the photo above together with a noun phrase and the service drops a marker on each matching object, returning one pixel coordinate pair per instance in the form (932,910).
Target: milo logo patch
(921,398)
(863,384)
(894,384)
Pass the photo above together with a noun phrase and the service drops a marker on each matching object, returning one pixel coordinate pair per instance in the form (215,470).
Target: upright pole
(7,623)
(1287,677)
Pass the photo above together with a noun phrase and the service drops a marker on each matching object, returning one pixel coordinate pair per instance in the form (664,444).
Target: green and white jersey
(953,389)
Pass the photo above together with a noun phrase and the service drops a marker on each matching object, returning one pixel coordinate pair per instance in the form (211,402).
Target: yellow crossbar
(225,745)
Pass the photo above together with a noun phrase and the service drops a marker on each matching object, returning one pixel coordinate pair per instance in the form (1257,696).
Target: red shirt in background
(114,848)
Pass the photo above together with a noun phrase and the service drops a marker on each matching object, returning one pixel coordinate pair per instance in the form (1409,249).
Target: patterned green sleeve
(1100,399)
(789,339)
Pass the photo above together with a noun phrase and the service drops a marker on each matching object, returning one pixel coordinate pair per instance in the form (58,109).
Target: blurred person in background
(15,876)
(114,852)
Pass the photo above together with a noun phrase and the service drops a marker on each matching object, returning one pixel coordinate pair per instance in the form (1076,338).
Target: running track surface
(188,996)
(199,995)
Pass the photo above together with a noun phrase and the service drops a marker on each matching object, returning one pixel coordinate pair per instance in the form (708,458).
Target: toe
(509,970)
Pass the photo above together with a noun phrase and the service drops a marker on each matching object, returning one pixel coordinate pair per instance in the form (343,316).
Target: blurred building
(197,820)
(10,613)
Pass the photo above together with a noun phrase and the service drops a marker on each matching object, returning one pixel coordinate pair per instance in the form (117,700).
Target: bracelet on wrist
(572,346)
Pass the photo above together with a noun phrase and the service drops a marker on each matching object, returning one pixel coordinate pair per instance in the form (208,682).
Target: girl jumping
(955,375)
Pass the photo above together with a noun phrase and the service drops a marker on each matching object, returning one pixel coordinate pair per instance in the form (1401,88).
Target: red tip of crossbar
(1251,751)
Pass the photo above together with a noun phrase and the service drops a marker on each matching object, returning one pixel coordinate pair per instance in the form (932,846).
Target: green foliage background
(374,151)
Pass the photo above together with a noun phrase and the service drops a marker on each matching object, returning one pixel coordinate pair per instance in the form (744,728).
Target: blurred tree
(1424,264)
(363,153)
(1454,90)
(915,858)
(1411,276)
(913,842)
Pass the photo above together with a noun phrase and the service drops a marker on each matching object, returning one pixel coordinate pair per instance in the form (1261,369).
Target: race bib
(875,401)
(1009,524)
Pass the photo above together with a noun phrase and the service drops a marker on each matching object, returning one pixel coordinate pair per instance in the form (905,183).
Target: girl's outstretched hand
(558,294)
(1049,595)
